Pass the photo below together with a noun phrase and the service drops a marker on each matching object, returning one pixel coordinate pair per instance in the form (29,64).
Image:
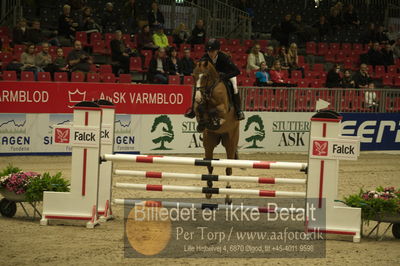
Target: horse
(215,116)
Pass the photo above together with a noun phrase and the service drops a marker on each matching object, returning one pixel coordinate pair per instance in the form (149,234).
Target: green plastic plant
(10,169)
(46,182)
(378,203)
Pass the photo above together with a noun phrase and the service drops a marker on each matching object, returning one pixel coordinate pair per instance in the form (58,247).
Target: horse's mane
(212,72)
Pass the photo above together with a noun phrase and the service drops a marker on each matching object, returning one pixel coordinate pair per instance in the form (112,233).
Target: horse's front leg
(217,117)
(210,141)
(230,142)
(201,119)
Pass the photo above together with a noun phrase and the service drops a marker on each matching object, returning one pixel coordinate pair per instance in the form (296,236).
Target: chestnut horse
(215,116)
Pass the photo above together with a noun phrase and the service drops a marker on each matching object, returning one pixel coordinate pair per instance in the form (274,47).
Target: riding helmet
(212,45)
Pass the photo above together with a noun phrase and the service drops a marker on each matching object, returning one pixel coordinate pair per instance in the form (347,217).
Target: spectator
(293,59)
(60,63)
(361,77)
(375,56)
(392,34)
(370,96)
(87,22)
(158,68)
(287,28)
(335,20)
(66,25)
(322,27)
(44,59)
(119,52)
(269,56)
(381,36)
(28,60)
(350,16)
(174,65)
(187,63)
(278,76)
(255,58)
(388,57)
(159,37)
(155,17)
(20,33)
(333,78)
(145,39)
(282,56)
(262,76)
(396,49)
(78,59)
(110,19)
(35,34)
(180,34)
(198,33)
(131,9)
(337,8)
(347,80)
(301,29)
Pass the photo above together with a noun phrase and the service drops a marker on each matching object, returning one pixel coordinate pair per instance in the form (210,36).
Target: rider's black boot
(237,105)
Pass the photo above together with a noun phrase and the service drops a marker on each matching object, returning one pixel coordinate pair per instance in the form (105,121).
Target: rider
(227,70)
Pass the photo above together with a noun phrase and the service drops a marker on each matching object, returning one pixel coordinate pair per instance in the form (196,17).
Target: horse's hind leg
(231,153)
(210,141)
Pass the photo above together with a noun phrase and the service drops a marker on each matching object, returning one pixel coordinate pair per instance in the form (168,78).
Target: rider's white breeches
(234,84)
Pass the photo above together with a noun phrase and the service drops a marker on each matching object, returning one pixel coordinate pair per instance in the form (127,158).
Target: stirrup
(240,115)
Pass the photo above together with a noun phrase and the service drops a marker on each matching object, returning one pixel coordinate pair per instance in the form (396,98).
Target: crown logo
(76,96)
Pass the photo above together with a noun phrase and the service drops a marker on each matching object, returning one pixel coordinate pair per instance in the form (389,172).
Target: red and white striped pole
(204,177)
(205,162)
(206,190)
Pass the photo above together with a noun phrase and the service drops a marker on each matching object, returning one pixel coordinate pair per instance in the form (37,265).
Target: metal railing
(226,20)
(11,12)
(304,99)
(185,12)
(392,17)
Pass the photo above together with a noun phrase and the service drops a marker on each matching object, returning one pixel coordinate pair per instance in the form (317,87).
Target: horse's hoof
(208,195)
(228,200)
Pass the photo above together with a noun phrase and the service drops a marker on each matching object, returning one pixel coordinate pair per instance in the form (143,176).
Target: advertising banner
(60,97)
(377,131)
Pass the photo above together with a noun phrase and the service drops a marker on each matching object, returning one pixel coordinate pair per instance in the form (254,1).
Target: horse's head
(205,75)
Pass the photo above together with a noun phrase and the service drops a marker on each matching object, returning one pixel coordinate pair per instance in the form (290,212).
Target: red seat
(61,76)
(334,46)
(312,74)
(318,67)
(103,69)
(198,48)
(330,56)
(19,48)
(95,36)
(322,48)
(346,46)
(108,77)
(99,47)
(6,41)
(107,39)
(379,71)
(392,70)
(81,36)
(93,77)
(317,83)
(340,56)
(125,78)
(397,81)
(135,64)
(311,48)
(4,31)
(185,46)
(10,75)
(235,42)
(296,74)
(387,80)
(188,80)
(77,77)
(174,79)
(66,50)
(248,43)
(303,83)
(27,76)
(44,76)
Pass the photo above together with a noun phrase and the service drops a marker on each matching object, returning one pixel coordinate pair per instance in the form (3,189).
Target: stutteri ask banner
(260,131)
(59,97)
